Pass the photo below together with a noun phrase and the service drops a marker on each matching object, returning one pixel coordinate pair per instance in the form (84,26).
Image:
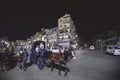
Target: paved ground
(88,65)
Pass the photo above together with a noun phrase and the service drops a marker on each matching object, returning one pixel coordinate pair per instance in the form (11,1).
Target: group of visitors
(34,57)
(35,54)
(6,53)
(65,52)
(22,57)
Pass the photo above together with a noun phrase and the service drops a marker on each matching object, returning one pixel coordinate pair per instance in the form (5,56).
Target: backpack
(20,56)
(25,55)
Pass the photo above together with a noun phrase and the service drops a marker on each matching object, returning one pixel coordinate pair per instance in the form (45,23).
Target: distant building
(65,34)
(108,38)
(49,36)
(52,36)
(66,31)
(38,36)
(20,42)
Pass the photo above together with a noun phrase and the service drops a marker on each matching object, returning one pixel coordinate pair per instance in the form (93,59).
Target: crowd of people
(6,53)
(36,56)
(22,57)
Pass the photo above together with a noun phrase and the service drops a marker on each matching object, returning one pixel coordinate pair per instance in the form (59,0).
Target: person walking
(36,54)
(19,59)
(24,59)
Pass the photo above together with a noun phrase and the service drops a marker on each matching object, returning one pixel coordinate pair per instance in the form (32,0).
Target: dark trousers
(24,65)
(36,58)
(19,64)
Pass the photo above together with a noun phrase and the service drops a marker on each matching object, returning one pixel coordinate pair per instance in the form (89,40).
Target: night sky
(20,20)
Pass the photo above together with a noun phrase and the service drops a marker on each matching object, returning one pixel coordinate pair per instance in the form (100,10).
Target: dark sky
(20,20)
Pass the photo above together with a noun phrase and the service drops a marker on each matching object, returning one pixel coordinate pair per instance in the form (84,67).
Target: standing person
(73,54)
(61,51)
(24,59)
(19,59)
(66,54)
(31,57)
(36,54)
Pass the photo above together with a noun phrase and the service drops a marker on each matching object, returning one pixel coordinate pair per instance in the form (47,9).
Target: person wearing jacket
(24,59)
(19,59)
